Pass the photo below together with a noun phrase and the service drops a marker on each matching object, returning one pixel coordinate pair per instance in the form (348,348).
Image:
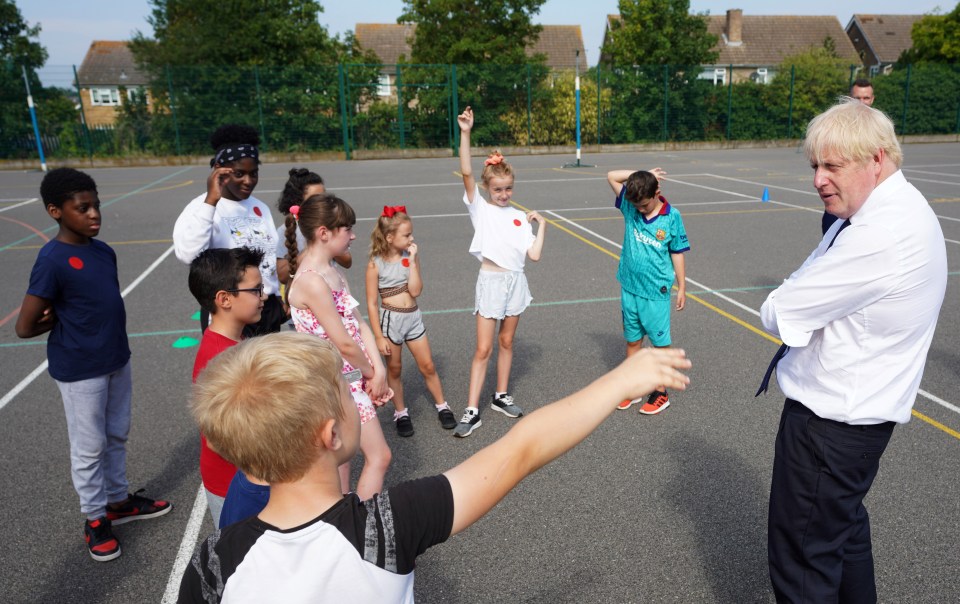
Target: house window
(720,76)
(138,94)
(104,97)
(874,70)
(761,77)
(383,85)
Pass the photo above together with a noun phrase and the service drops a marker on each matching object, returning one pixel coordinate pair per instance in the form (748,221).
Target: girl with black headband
(228,216)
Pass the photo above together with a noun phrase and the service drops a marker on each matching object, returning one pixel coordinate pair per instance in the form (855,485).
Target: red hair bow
(494,159)
(390,211)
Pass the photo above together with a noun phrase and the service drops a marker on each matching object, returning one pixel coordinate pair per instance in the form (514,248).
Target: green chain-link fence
(346,108)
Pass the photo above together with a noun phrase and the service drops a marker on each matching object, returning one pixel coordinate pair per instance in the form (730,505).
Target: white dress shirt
(859,316)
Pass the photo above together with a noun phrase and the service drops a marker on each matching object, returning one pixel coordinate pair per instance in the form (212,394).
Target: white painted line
(23,203)
(939,401)
(9,396)
(933,166)
(187,545)
(23,384)
(933,173)
(939,182)
(762,184)
(722,296)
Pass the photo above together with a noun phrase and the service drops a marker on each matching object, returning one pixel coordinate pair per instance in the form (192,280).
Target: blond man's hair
(262,403)
(852,130)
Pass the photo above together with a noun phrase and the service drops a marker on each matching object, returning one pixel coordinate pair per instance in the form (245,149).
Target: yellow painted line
(685,214)
(936,424)
(177,186)
(945,200)
(110,243)
(733,318)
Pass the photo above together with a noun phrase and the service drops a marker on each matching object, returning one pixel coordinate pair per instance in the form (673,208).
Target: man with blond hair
(856,320)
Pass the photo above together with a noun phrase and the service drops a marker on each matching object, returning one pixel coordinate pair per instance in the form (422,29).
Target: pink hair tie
(494,159)
(295,210)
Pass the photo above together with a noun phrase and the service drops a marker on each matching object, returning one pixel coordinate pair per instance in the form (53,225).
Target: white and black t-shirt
(356,551)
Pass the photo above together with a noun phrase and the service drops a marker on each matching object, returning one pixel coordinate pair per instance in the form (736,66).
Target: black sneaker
(138,507)
(404,426)
(101,543)
(447,419)
(468,423)
(504,404)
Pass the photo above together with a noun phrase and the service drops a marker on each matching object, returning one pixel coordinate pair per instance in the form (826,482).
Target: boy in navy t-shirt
(74,293)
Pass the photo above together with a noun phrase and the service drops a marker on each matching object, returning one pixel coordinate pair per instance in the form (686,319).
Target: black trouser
(271,319)
(818,533)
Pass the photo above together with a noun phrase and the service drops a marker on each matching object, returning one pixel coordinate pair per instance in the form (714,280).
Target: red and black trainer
(101,543)
(137,507)
(656,402)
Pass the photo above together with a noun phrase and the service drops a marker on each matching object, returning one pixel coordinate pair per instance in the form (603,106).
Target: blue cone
(766,195)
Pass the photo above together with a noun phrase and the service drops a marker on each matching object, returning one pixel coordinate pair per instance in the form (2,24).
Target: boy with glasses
(228,285)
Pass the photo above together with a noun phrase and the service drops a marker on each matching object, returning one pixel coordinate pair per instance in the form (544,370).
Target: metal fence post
(529,108)
(263,134)
(793,75)
(33,118)
(456,104)
(83,117)
(666,102)
(173,109)
(906,100)
(343,110)
(956,72)
(400,105)
(598,103)
(729,101)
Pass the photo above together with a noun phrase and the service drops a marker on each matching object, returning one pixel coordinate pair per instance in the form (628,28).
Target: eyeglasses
(253,290)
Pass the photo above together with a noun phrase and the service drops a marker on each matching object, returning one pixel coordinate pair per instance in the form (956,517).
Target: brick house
(753,46)
(108,67)
(881,39)
(390,41)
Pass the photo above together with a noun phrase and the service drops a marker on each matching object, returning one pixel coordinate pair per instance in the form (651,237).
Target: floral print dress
(306,322)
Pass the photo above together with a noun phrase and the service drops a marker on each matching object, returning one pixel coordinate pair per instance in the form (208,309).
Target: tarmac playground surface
(668,508)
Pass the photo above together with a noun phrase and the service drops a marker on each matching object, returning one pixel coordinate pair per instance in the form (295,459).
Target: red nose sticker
(257,212)
(75,262)
(405,262)
(516,221)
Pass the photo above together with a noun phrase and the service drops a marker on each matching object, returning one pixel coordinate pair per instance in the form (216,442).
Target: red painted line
(40,234)
(27,226)
(15,312)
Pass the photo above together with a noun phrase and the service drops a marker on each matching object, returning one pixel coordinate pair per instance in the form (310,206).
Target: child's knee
(483,352)
(506,341)
(394,369)
(428,368)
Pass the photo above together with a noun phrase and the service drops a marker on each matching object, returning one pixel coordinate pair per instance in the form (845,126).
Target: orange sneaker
(626,404)
(656,402)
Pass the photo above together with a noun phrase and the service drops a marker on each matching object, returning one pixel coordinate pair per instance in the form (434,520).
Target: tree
(472,31)
(267,64)
(242,32)
(659,32)
(936,38)
(18,50)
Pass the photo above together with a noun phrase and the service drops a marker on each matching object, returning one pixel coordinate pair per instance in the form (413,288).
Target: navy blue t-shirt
(89,338)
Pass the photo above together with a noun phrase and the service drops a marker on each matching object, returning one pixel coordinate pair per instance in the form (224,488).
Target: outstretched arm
(465,120)
(547,433)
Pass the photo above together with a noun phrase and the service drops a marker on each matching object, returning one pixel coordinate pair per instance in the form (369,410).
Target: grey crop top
(392,274)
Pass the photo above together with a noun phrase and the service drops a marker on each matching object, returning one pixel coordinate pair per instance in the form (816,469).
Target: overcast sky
(68,26)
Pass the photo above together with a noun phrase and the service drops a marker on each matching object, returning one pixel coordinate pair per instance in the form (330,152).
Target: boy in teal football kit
(654,241)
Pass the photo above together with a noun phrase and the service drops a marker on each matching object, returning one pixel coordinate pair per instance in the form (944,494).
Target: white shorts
(501,294)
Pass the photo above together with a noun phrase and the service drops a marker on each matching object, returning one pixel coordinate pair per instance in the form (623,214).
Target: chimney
(734,28)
